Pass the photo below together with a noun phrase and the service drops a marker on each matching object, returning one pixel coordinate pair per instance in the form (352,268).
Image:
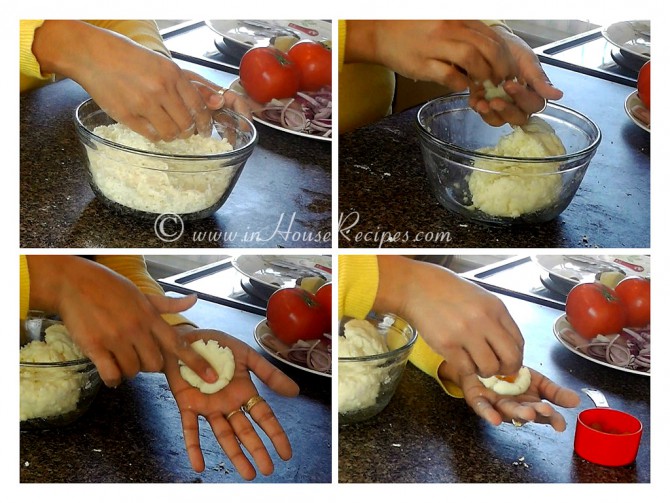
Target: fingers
(165,304)
(497,353)
(189,422)
(549,390)
(484,53)
(228,440)
(198,112)
(475,397)
(272,376)
(265,418)
(170,340)
(109,371)
(534,406)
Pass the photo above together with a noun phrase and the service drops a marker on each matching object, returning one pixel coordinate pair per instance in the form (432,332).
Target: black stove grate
(591,54)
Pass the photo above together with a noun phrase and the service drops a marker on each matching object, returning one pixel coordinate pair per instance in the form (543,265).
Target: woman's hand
(451,53)
(462,322)
(116,325)
(136,86)
(237,430)
(216,97)
(529,92)
(532,406)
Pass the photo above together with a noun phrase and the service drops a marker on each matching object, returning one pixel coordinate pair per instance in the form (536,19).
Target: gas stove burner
(556,284)
(627,59)
(256,289)
(230,51)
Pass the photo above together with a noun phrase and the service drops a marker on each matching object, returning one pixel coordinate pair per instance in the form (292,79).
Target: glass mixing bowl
(498,189)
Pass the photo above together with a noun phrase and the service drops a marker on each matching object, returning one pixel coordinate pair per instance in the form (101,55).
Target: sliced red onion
(629,349)
(307,112)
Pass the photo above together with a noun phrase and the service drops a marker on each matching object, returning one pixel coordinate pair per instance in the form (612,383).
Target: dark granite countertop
(383,186)
(133,433)
(282,198)
(426,436)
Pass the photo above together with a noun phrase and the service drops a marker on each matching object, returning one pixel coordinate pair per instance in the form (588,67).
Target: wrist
(58,46)
(46,280)
(395,280)
(360,42)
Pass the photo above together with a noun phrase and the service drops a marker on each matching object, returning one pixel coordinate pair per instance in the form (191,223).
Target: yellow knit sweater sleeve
(134,268)
(358,280)
(24,291)
(366,90)
(341,43)
(427,360)
(29,67)
(144,32)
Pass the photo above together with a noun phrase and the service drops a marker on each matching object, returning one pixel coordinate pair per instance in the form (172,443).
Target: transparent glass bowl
(148,184)
(53,395)
(450,133)
(366,384)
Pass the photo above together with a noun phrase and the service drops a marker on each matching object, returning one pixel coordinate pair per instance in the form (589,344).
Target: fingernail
(211,375)
(216,100)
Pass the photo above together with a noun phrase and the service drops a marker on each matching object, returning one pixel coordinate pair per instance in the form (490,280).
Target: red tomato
(294,314)
(324,296)
(593,308)
(635,293)
(314,62)
(267,73)
(644,84)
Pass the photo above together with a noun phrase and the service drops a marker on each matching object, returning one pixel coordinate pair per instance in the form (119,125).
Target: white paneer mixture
(513,192)
(359,384)
(504,387)
(159,185)
(221,360)
(48,392)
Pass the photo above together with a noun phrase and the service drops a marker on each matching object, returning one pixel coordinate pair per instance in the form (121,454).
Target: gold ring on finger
(254,400)
(231,414)
(517,422)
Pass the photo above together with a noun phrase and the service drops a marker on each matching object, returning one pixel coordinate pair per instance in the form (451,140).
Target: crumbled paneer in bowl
(47,392)
(157,185)
(514,192)
(359,383)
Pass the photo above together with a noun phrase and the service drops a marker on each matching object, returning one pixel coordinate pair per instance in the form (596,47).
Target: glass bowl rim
(388,354)
(63,364)
(586,151)
(182,157)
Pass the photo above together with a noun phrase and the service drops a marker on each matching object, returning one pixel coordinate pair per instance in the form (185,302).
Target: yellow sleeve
(134,268)
(428,361)
(144,32)
(341,43)
(24,291)
(29,68)
(366,91)
(358,280)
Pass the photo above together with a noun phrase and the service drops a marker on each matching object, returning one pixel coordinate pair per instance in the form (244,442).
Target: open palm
(238,430)
(535,405)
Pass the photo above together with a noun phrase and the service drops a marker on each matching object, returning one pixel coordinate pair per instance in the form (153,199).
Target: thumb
(209,93)
(165,304)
